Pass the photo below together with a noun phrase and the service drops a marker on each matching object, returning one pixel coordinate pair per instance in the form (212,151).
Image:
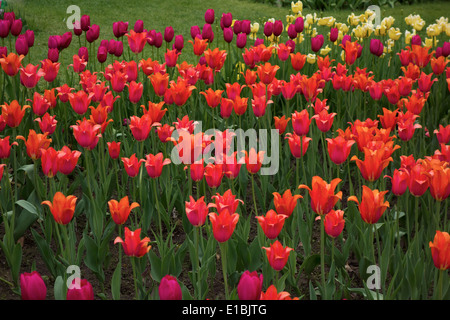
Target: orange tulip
(34,143)
(180,91)
(155,110)
(213,97)
(272,294)
(298,60)
(373,164)
(351,51)
(322,194)
(132,245)
(334,223)
(440,250)
(120,210)
(253,160)
(215,58)
(11,64)
(281,123)
(372,205)
(199,45)
(62,207)
(160,82)
(420,56)
(285,204)
(267,72)
(13,113)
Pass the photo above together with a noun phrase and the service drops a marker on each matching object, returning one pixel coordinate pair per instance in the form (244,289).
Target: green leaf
(116,282)
(310,263)
(59,289)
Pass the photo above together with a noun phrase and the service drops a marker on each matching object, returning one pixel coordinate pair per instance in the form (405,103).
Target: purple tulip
(120,28)
(77,28)
(416,40)
(250,286)
(53,54)
(246,26)
(291,45)
(5,26)
(209,16)
(119,49)
(3,52)
(241,40)
(85,22)
(53,42)
(346,38)
(22,45)
(195,30)
(291,31)
(10,16)
(179,42)
(169,289)
(29,34)
(139,26)
(268,28)
(299,24)
(258,41)
(151,35)
(317,42)
(102,54)
(83,53)
(376,47)
(158,39)
(93,33)
(228,35)
(66,40)
(16,27)
(277,28)
(168,34)
(237,27)
(446,49)
(334,33)
(207,32)
(438,52)
(226,20)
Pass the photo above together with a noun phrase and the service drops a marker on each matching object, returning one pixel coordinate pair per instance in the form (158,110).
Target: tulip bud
(277,28)
(209,16)
(446,49)
(53,55)
(246,26)
(16,27)
(119,49)
(259,41)
(299,24)
(179,42)
(268,28)
(85,22)
(29,35)
(66,40)
(334,33)
(21,45)
(195,30)
(83,53)
(250,286)
(317,42)
(226,20)
(237,27)
(102,54)
(291,31)
(241,40)
(158,40)
(345,39)
(3,51)
(4,28)
(207,32)
(77,28)
(168,34)
(93,33)
(139,26)
(80,290)
(376,47)
(416,40)
(120,28)
(32,287)
(228,35)
(169,289)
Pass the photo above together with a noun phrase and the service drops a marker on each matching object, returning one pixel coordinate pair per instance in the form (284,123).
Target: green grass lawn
(47,17)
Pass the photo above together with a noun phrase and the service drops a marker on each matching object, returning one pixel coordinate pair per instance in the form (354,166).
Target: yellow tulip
(311,58)
(326,21)
(388,22)
(408,36)
(254,27)
(325,51)
(310,18)
(297,6)
(290,19)
(394,33)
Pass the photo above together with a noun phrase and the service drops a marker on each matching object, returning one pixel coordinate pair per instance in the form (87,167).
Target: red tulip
(82,292)
(136,41)
(271,223)
(132,165)
(285,204)
(86,133)
(214,174)
(223,224)
(297,144)
(132,244)
(399,181)
(196,211)
(67,160)
(114,149)
(277,255)
(253,160)
(5,147)
(334,223)
(154,164)
(440,250)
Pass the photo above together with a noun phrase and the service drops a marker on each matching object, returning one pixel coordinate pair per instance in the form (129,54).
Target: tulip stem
(440,284)
(254,197)
(223,252)
(133,265)
(322,257)
(155,187)
(196,273)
